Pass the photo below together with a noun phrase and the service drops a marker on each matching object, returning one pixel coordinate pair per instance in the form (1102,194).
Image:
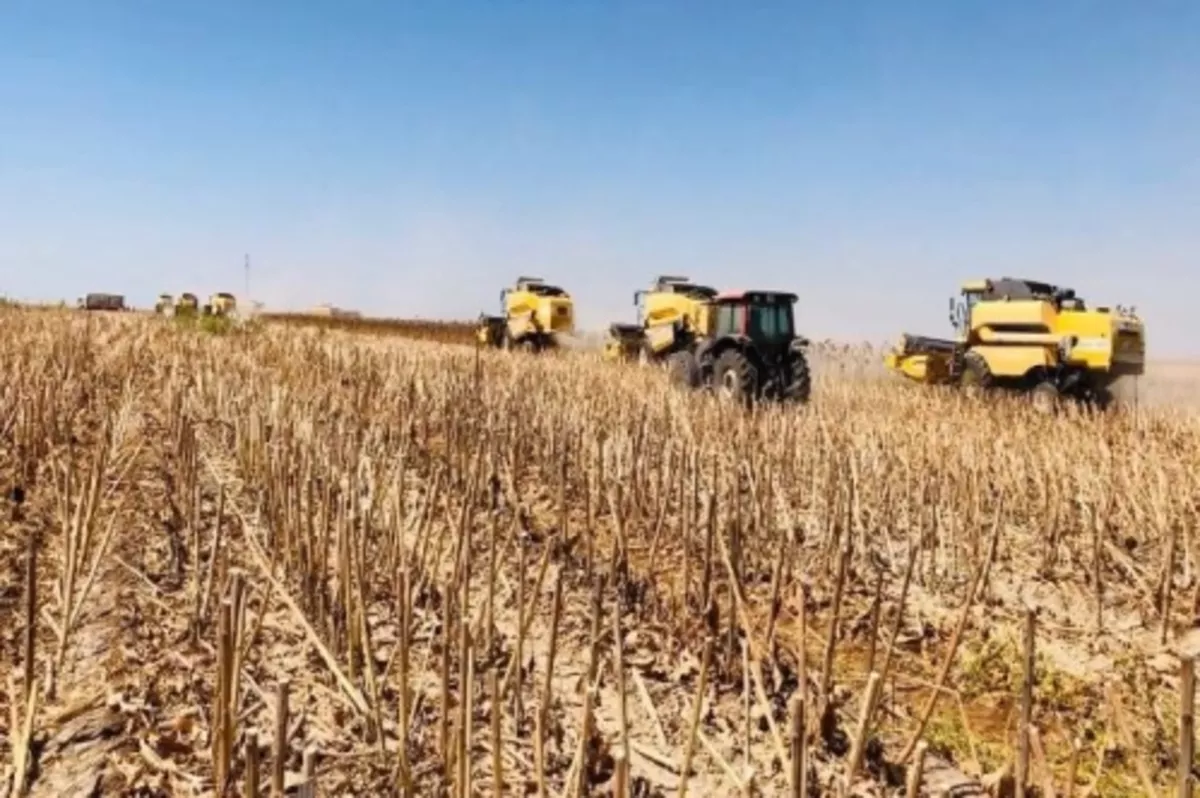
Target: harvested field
(490,574)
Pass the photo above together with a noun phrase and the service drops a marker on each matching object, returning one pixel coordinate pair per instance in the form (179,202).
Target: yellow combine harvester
(164,304)
(188,304)
(534,315)
(1031,337)
(221,304)
(669,314)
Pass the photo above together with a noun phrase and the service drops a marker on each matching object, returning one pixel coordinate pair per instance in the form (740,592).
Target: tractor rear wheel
(683,369)
(799,386)
(734,378)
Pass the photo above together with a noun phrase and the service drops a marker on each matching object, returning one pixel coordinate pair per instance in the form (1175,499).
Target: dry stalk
(799,748)
(916,771)
(497,740)
(309,790)
(694,724)
(279,753)
(1187,726)
(859,746)
(252,765)
(622,706)
(1023,728)
(539,740)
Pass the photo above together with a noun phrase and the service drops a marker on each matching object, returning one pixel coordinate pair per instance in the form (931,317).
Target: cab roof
(755,295)
(1017,288)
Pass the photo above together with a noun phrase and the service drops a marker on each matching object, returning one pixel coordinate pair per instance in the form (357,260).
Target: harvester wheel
(734,377)
(800,386)
(684,369)
(976,377)
(1045,397)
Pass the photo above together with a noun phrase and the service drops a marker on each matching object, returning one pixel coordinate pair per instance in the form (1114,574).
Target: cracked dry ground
(373,523)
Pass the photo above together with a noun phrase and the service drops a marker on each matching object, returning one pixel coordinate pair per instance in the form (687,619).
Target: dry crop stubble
(394,540)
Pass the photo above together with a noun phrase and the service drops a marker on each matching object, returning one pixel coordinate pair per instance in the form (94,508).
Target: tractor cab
(750,349)
(766,318)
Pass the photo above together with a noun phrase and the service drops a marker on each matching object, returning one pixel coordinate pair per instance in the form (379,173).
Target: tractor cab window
(728,321)
(771,322)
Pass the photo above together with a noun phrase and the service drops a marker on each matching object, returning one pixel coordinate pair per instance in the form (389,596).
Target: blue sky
(411,158)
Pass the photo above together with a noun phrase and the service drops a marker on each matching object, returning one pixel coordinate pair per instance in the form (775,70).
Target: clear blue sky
(411,158)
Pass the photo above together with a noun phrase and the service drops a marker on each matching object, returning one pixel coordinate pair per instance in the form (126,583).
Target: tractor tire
(799,387)
(976,378)
(684,370)
(734,378)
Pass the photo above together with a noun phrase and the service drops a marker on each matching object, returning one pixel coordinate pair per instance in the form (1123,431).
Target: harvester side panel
(660,339)
(666,308)
(1007,361)
(1028,314)
(1104,340)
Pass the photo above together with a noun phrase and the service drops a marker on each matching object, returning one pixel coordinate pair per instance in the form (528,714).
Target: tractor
(1032,338)
(667,317)
(743,346)
(533,316)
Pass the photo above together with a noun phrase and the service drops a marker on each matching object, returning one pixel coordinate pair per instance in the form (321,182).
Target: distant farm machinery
(1031,338)
(533,316)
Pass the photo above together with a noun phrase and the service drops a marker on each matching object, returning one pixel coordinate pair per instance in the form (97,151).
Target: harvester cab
(1029,336)
(669,316)
(164,304)
(533,315)
(745,347)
